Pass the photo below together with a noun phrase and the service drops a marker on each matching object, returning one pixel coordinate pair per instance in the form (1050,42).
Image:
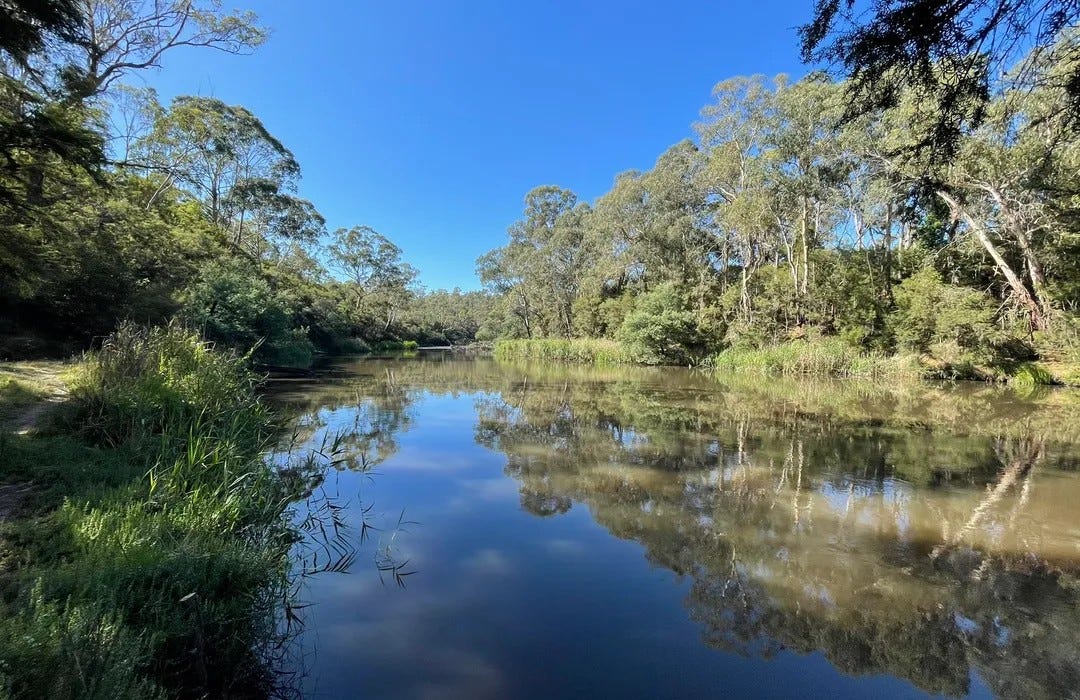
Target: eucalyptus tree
(541,266)
(1005,186)
(648,229)
(733,134)
(117,37)
(380,282)
(226,158)
(503,275)
(804,164)
(951,53)
(1007,190)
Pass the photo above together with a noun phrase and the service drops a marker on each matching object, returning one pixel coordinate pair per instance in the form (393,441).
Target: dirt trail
(22,417)
(28,421)
(43,377)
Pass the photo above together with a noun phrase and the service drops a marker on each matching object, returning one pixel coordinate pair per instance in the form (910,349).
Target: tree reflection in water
(918,531)
(890,549)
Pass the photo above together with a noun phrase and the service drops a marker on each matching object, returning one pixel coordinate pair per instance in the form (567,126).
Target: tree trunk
(1023,294)
(1031,261)
(886,265)
(805,251)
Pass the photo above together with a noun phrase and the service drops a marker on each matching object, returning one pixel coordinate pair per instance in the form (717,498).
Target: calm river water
(581,532)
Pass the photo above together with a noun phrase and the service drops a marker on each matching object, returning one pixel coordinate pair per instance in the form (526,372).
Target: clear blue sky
(430,120)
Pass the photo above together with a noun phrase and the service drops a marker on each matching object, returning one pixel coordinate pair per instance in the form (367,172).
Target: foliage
(446,317)
(1030,374)
(231,304)
(952,54)
(929,313)
(378,280)
(192,210)
(158,563)
(661,330)
(789,219)
(598,352)
(144,379)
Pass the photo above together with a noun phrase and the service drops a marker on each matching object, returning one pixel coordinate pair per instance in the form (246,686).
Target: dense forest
(115,207)
(791,217)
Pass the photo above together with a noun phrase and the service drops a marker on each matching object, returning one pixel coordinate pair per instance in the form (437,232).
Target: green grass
(153,558)
(826,357)
(822,358)
(1062,372)
(1030,374)
(577,350)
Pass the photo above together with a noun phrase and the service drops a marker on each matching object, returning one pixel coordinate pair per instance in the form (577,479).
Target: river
(539,531)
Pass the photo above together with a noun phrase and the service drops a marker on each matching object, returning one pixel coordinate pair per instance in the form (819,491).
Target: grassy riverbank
(577,350)
(149,552)
(817,358)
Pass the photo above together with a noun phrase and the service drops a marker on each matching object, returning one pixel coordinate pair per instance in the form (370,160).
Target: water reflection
(927,533)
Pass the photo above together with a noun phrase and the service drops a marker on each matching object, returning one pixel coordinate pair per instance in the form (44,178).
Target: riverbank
(818,358)
(595,351)
(148,554)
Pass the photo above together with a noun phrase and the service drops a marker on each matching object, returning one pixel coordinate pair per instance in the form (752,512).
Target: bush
(1030,374)
(661,330)
(142,380)
(930,312)
(231,304)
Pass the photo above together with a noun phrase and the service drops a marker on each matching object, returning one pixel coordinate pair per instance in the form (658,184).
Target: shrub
(661,330)
(1030,374)
(142,380)
(232,305)
(930,312)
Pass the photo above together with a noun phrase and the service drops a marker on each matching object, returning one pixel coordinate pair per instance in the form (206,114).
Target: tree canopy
(955,54)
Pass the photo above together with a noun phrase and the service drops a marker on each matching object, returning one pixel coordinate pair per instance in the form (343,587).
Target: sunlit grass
(578,350)
(824,358)
(156,560)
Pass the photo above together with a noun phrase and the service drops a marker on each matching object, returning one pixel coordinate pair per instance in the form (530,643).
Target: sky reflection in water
(586,532)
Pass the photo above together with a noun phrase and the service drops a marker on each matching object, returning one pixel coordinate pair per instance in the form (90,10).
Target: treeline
(789,218)
(115,207)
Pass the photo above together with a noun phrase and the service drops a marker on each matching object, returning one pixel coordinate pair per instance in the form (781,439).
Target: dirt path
(41,378)
(28,420)
(28,390)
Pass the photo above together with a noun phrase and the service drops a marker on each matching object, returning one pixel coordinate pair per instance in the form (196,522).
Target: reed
(823,358)
(576,350)
(157,560)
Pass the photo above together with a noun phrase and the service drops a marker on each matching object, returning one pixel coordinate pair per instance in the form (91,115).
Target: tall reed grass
(822,358)
(578,350)
(165,568)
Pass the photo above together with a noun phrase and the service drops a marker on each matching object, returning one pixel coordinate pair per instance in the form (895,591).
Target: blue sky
(431,120)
